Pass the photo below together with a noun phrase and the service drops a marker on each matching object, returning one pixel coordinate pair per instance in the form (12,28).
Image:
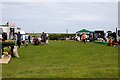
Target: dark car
(61,38)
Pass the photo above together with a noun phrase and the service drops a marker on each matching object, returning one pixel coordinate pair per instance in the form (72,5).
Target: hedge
(54,36)
(58,36)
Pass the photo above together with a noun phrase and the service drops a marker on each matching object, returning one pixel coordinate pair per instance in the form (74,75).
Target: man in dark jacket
(19,39)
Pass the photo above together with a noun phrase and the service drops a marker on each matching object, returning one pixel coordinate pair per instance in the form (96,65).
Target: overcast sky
(59,16)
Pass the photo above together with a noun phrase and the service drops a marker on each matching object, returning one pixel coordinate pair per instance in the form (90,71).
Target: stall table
(7,44)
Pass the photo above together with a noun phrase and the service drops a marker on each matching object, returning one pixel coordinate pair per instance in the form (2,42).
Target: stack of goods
(8,43)
(6,51)
(5,58)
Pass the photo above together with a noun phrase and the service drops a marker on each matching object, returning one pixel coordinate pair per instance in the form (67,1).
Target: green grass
(64,59)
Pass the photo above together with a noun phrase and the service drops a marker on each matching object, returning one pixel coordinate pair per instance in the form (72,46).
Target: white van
(118,34)
(1,31)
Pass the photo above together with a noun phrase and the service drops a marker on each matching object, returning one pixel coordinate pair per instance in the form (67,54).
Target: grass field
(64,59)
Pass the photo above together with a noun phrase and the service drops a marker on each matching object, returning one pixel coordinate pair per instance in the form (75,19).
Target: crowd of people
(28,39)
(97,37)
(84,38)
(43,38)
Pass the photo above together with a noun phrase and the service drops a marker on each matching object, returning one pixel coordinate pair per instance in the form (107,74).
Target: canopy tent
(1,30)
(83,31)
(21,32)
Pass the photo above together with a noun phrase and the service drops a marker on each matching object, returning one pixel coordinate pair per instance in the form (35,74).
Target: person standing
(23,39)
(84,37)
(43,37)
(4,35)
(90,38)
(19,39)
(47,38)
(29,38)
(26,39)
(39,39)
(78,38)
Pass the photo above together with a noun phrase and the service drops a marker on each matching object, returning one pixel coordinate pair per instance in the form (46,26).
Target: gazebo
(83,31)
(87,32)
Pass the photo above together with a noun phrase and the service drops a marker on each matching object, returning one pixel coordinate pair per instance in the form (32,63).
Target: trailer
(1,31)
(118,34)
(99,33)
(8,30)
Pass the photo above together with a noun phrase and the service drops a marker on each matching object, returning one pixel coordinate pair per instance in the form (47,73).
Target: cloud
(61,15)
(84,18)
(59,0)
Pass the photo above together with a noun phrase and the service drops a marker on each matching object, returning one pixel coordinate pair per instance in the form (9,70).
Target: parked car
(61,38)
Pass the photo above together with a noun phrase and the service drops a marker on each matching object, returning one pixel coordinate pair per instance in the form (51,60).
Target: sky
(56,17)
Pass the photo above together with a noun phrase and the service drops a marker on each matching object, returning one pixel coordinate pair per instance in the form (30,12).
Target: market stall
(7,47)
(7,42)
(88,33)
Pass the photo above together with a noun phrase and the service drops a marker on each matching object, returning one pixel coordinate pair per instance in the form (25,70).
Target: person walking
(19,39)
